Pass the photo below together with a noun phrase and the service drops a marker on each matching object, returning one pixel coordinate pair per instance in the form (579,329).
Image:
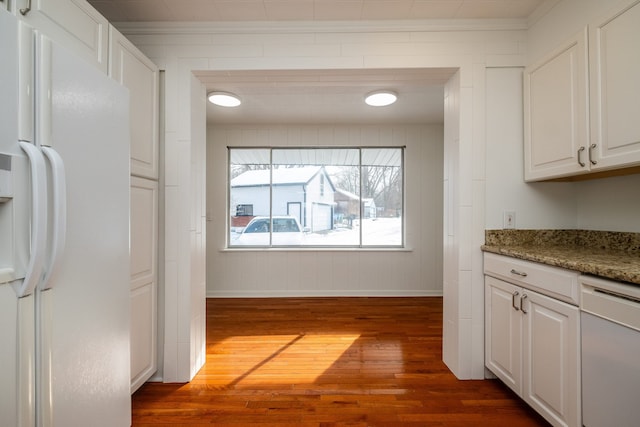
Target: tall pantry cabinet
(133,70)
(82,29)
(581,100)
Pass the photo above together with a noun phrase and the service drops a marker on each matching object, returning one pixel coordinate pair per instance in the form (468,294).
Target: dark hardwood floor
(328,362)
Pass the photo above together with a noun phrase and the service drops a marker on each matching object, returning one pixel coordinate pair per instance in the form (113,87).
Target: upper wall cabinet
(135,71)
(556,125)
(581,115)
(614,50)
(74,24)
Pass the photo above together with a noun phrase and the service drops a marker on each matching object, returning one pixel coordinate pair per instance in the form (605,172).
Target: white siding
(256,196)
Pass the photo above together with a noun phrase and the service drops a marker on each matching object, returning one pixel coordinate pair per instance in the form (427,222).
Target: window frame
(359,245)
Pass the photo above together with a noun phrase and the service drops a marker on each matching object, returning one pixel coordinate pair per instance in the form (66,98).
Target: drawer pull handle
(513,300)
(591,147)
(524,297)
(519,273)
(580,162)
(26,10)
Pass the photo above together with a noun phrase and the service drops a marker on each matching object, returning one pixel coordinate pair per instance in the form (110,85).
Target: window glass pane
(306,183)
(311,197)
(250,178)
(346,208)
(382,197)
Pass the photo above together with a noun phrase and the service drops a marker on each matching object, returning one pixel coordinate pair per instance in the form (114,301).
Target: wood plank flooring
(322,362)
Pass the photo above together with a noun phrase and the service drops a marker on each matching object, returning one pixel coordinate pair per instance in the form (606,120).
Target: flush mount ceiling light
(381,98)
(223,99)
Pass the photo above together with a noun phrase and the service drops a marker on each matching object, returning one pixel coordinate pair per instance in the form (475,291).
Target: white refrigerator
(64,237)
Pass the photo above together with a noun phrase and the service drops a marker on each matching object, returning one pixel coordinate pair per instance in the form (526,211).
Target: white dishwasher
(610,321)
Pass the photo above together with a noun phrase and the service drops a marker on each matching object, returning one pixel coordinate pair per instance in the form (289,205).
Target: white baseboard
(323,293)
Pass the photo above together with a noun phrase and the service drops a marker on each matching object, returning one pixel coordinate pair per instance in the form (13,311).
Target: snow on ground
(375,232)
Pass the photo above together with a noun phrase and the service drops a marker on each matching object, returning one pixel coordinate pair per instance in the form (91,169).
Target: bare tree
(383,184)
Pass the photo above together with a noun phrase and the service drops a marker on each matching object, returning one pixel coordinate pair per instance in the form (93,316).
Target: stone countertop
(611,255)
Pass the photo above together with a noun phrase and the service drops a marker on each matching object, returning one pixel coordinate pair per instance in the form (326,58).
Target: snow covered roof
(283,176)
(348,194)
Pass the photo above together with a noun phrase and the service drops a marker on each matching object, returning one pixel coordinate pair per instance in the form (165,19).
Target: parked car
(286,232)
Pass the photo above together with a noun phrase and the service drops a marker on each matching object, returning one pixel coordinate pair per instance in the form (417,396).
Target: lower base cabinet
(532,345)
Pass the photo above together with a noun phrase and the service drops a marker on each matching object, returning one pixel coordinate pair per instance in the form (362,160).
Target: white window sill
(315,249)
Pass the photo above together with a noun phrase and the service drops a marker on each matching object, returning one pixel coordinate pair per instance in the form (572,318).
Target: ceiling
(328,96)
(321,96)
(311,10)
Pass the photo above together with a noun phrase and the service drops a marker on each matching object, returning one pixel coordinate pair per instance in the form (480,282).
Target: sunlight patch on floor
(275,359)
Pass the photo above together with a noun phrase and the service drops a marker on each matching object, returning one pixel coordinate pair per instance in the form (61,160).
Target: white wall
(470,47)
(185,240)
(417,271)
(537,205)
(611,204)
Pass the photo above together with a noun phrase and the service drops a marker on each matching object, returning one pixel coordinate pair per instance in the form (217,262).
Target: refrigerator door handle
(38,220)
(59,232)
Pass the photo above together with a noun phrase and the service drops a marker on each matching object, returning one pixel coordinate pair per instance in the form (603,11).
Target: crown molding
(541,11)
(216,27)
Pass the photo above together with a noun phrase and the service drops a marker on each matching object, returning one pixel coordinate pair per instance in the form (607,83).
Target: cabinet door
(135,71)
(556,115)
(615,88)
(144,282)
(502,333)
(551,359)
(75,24)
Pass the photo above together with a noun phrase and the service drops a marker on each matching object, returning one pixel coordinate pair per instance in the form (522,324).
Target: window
(244,210)
(316,197)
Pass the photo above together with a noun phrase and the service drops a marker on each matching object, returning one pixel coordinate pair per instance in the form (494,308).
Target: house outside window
(316,197)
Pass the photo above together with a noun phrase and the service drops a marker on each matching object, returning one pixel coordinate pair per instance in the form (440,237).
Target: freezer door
(17,329)
(13,255)
(22,173)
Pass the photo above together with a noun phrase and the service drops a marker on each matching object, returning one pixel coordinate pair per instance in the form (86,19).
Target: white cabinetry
(580,115)
(615,88)
(74,24)
(144,279)
(132,69)
(556,124)
(533,340)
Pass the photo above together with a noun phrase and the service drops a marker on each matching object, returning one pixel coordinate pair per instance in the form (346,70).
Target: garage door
(320,217)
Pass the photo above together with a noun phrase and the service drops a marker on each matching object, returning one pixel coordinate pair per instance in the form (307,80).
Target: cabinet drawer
(552,281)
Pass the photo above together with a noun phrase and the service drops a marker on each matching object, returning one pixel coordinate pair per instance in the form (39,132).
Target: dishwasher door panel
(610,373)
